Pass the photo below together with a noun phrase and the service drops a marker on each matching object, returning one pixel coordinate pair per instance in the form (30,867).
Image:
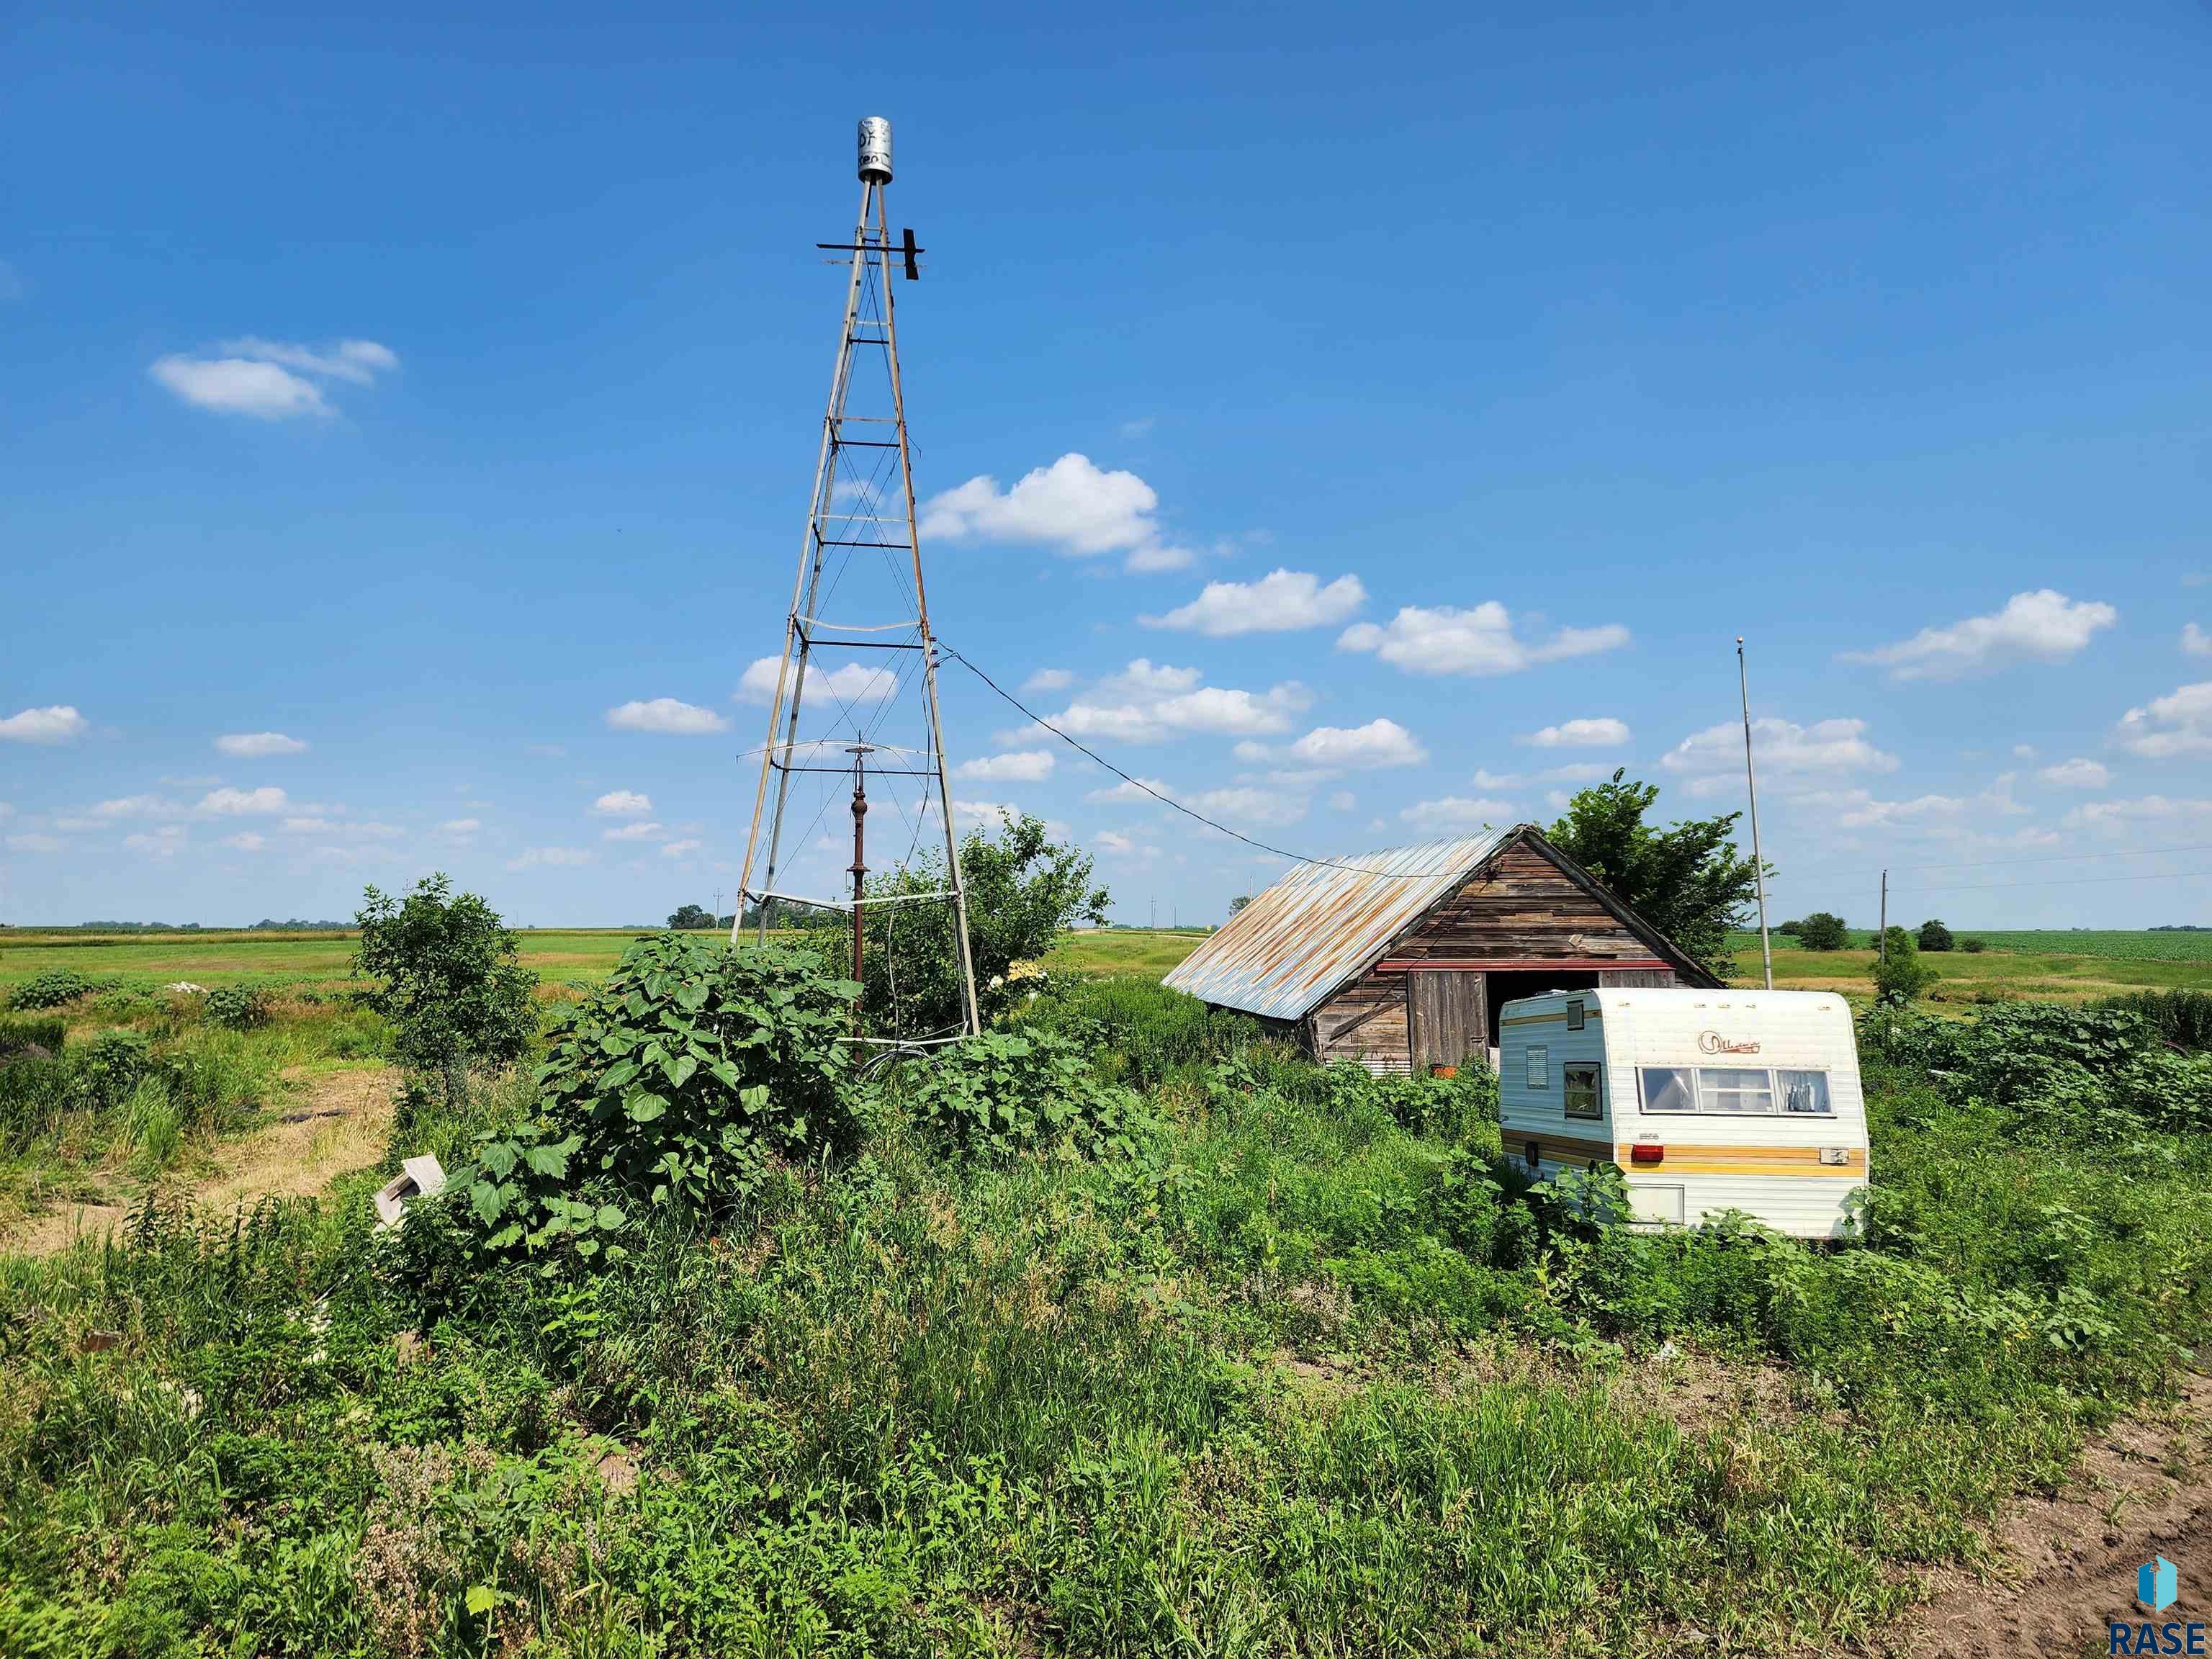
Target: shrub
(1973,947)
(1024,890)
(1013,1091)
(1899,974)
(695,1063)
(450,982)
(34,1090)
(55,988)
(237,1007)
(1822,931)
(20,1036)
(107,1069)
(2180,1016)
(1935,936)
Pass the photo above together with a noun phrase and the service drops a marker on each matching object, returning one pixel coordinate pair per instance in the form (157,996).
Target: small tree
(1899,975)
(1239,902)
(1024,890)
(1689,882)
(690,918)
(449,980)
(1935,936)
(1822,931)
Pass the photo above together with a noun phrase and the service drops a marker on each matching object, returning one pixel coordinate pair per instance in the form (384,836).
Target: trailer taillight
(1647,1154)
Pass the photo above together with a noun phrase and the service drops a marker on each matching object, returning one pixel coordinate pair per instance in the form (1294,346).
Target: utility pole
(860,752)
(1882,936)
(1751,783)
(718,906)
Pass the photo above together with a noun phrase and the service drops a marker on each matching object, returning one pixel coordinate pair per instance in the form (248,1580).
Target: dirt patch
(2143,1489)
(339,1124)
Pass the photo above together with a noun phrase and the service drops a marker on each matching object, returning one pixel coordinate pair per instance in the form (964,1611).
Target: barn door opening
(1448,1017)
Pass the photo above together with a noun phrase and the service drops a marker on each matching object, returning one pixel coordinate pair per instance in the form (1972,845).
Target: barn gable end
(1525,918)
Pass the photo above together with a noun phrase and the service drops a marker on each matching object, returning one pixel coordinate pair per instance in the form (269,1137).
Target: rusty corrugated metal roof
(1294,943)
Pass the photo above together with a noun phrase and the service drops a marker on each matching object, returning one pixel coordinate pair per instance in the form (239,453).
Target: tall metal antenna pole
(922,611)
(1751,783)
(828,528)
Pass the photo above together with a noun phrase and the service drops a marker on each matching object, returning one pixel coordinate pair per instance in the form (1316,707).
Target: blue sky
(390,403)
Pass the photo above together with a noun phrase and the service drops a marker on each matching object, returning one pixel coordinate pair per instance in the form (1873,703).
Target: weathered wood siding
(1628,977)
(1365,1021)
(1522,908)
(1450,1020)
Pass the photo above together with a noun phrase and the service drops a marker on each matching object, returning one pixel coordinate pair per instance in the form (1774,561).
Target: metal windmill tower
(843,687)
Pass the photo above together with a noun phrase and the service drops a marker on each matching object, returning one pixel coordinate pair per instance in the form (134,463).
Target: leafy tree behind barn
(1823,931)
(1688,881)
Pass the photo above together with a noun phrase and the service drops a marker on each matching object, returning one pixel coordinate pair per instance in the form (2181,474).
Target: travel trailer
(1707,1100)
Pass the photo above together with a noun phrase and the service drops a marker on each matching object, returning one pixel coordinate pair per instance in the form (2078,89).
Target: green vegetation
(1127,1333)
(444,971)
(1897,972)
(1821,931)
(1689,881)
(1024,891)
(1934,936)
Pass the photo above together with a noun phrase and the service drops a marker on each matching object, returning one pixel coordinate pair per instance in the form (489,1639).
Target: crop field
(2054,966)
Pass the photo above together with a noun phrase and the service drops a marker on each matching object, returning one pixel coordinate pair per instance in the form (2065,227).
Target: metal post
(1751,783)
(928,645)
(859,753)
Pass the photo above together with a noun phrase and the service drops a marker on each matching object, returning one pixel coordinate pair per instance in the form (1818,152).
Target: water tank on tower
(875,149)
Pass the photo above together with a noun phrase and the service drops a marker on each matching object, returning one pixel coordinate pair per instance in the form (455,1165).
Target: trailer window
(1734,1089)
(1667,1089)
(1578,1088)
(1575,1015)
(1805,1092)
(1540,1066)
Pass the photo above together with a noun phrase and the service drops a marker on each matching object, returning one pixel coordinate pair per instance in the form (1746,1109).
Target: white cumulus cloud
(259,745)
(1379,742)
(1456,812)
(1481,640)
(32,841)
(269,379)
(2077,774)
(2178,723)
(2195,640)
(1022,766)
(57,724)
(243,803)
(1279,602)
(665,714)
(2042,626)
(246,840)
(1072,507)
(645,830)
(1244,804)
(1150,702)
(676,849)
(852,682)
(1601,732)
(1049,679)
(623,804)
(1781,746)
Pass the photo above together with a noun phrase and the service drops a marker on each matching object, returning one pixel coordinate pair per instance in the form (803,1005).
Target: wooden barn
(1401,959)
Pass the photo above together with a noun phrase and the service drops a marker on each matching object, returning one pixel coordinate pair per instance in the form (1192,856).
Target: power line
(1168,800)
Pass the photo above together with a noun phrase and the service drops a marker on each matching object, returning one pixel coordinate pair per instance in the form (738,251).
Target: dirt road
(336,1124)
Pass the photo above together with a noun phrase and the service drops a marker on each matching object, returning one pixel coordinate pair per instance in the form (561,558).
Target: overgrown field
(1118,1332)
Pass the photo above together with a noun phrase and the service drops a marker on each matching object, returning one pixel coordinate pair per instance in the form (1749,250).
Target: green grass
(1303,1375)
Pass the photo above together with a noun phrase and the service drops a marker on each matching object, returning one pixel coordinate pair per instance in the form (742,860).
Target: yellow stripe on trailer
(1746,1160)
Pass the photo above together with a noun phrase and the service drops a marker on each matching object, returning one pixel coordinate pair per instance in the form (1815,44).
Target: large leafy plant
(695,1064)
(1007,1092)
